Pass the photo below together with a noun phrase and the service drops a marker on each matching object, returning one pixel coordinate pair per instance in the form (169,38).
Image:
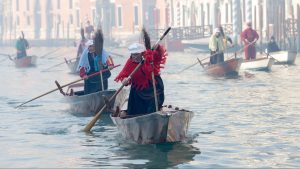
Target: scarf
(84,60)
(142,78)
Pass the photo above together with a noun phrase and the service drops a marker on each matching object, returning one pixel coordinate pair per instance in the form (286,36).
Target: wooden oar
(92,75)
(200,61)
(66,61)
(96,117)
(268,55)
(8,55)
(49,53)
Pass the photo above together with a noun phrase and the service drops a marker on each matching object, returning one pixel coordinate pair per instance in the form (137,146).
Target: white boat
(284,57)
(260,64)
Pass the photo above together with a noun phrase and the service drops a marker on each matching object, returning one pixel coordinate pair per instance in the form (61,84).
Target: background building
(46,20)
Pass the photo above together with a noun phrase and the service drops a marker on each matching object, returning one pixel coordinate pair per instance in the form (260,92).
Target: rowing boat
(27,61)
(168,125)
(228,68)
(72,65)
(284,57)
(89,104)
(260,64)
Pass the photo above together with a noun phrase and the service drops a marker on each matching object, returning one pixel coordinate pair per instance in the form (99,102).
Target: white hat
(136,48)
(216,30)
(89,43)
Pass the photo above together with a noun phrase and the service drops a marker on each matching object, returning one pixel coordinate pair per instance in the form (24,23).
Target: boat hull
(261,64)
(284,57)
(73,66)
(28,61)
(168,125)
(228,68)
(90,104)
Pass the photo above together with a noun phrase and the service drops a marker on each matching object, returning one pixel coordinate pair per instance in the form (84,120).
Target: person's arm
(213,44)
(229,40)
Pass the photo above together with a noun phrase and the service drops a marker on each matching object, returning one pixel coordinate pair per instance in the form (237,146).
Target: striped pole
(249,11)
(178,14)
(236,20)
(214,14)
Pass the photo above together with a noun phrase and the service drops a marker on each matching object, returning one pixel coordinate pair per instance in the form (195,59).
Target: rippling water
(249,121)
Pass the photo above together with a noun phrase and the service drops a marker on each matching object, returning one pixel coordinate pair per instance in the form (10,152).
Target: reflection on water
(247,121)
(150,156)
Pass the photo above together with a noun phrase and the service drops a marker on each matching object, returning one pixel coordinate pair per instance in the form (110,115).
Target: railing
(191,32)
(184,33)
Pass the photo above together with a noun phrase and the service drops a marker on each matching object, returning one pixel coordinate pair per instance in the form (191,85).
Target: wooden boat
(72,65)
(284,57)
(90,104)
(27,61)
(168,125)
(260,64)
(228,68)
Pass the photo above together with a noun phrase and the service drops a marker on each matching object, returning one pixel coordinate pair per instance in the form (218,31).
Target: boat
(284,57)
(167,125)
(228,68)
(88,105)
(260,64)
(72,65)
(28,61)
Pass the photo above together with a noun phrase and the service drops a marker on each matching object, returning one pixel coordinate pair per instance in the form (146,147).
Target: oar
(8,55)
(49,53)
(92,75)
(58,64)
(268,54)
(200,61)
(89,126)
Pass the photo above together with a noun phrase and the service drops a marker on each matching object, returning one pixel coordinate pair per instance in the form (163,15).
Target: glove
(82,72)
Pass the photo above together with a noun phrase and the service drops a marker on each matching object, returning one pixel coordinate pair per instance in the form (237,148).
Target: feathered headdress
(98,41)
(146,39)
(142,78)
(82,33)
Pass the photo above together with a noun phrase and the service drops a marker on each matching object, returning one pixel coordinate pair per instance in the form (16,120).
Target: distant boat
(260,64)
(28,61)
(72,65)
(284,57)
(168,125)
(230,67)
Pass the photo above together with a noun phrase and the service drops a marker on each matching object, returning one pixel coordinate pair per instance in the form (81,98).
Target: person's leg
(105,83)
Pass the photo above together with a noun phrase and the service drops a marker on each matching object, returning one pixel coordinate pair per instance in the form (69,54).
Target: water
(249,121)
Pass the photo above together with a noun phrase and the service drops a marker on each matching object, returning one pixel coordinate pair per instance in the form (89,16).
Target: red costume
(142,77)
(248,36)
(141,96)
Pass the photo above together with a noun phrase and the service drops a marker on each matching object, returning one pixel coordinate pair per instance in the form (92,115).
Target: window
(17,5)
(58,4)
(119,16)
(71,4)
(18,20)
(27,5)
(113,15)
(77,17)
(71,19)
(136,15)
(28,20)
(58,19)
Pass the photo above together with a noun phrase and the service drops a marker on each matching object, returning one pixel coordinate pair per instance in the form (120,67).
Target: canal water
(249,121)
